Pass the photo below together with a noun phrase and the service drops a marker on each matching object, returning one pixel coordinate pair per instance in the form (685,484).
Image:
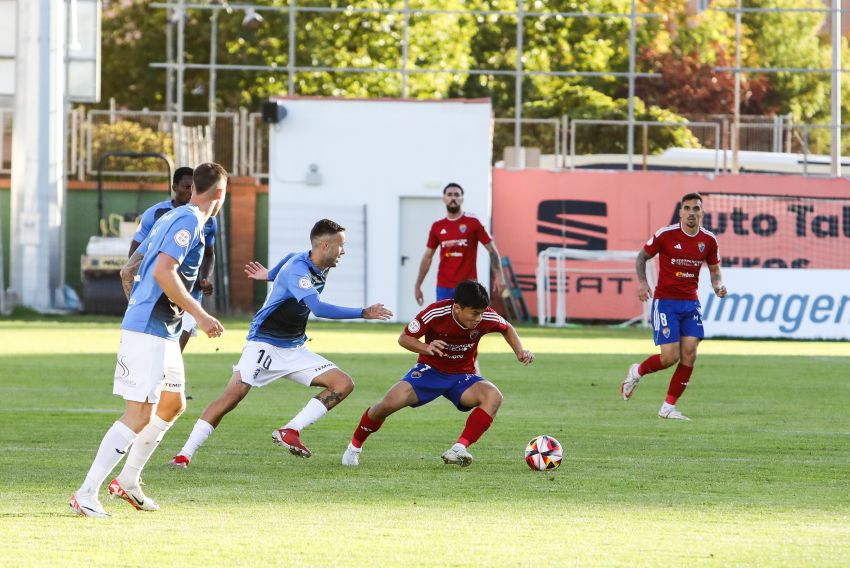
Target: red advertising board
(536,209)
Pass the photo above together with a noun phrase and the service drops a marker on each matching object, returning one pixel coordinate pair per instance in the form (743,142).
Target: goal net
(590,285)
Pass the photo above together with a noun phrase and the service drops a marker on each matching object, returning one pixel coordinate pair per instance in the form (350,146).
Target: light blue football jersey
(179,234)
(282,321)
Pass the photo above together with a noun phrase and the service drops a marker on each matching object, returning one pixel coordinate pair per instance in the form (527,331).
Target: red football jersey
(681,257)
(437,322)
(458,241)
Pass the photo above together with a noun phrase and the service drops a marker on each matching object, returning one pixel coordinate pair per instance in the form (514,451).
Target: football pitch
(759,477)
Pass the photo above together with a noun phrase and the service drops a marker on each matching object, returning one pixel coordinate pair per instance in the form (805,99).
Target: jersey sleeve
(483,236)
(210,229)
(433,241)
(180,236)
(653,245)
(145,225)
(713,253)
(298,281)
(493,321)
(416,328)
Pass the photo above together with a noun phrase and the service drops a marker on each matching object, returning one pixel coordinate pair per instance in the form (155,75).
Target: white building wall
(373,153)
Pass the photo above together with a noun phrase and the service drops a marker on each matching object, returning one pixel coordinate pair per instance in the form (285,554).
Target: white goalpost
(554,264)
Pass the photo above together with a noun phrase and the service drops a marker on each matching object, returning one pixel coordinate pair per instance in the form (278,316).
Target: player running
(446,367)
(676,311)
(149,359)
(275,346)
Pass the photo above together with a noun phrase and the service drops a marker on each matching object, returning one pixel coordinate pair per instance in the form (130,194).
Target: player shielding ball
(676,311)
(446,367)
(275,348)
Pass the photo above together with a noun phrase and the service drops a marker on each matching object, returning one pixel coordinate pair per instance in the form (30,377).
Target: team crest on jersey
(462,228)
(305,283)
(665,331)
(415,374)
(473,334)
(413,326)
(182,237)
(701,247)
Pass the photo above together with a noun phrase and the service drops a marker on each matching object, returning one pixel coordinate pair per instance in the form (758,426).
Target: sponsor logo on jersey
(413,326)
(678,246)
(649,242)
(442,231)
(701,247)
(685,275)
(305,283)
(455,243)
(321,367)
(462,228)
(182,237)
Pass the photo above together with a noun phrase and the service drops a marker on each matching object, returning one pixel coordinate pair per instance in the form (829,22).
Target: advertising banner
(756,222)
(783,302)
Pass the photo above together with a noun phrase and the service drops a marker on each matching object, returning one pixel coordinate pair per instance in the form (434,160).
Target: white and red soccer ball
(544,453)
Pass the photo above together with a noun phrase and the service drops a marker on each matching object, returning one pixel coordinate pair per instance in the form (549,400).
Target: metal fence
(240,141)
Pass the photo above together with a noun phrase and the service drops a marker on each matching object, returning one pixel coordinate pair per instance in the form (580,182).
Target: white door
(416,215)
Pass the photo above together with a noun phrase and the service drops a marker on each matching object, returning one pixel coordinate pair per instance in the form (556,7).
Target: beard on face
(452,207)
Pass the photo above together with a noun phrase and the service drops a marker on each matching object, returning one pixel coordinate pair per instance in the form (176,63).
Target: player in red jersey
(457,236)
(446,367)
(676,311)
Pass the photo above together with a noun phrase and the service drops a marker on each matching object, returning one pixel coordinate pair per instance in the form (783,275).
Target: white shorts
(147,365)
(262,364)
(190,326)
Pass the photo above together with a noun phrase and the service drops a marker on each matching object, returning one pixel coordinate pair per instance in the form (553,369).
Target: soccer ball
(543,453)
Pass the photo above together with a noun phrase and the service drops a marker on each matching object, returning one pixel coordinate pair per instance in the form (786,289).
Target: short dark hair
(207,176)
(180,172)
(690,196)
(471,294)
(325,227)
(451,185)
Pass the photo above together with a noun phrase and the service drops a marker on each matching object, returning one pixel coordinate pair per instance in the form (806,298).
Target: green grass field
(760,477)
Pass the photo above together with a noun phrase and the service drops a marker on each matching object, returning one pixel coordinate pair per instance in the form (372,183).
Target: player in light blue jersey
(149,360)
(275,346)
(182,188)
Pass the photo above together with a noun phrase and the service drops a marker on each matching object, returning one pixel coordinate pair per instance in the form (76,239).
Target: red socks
(476,425)
(679,382)
(651,365)
(366,427)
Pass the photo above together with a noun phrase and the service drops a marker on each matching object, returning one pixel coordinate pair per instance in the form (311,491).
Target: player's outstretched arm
(435,348)
(256,271)
(331,311)
(644,292)
(717,280)
(524,356)
(165,274)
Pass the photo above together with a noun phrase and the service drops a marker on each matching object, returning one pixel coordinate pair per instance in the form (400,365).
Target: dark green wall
(261,244)
(6,220)
(81,221)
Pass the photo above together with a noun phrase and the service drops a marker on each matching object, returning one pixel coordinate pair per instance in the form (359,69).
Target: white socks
(309,414)
(144,446)
(113,447)
(199,435)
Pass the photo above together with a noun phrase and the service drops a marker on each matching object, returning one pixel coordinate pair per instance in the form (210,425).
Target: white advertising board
(776,302)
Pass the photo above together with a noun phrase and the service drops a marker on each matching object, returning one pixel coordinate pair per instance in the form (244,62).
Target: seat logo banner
(778,302)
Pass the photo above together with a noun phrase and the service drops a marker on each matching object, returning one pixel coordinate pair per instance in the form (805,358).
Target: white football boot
(133,495)
(87,506)
(669,411)
(351,457)
(630,383)
(457,455)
